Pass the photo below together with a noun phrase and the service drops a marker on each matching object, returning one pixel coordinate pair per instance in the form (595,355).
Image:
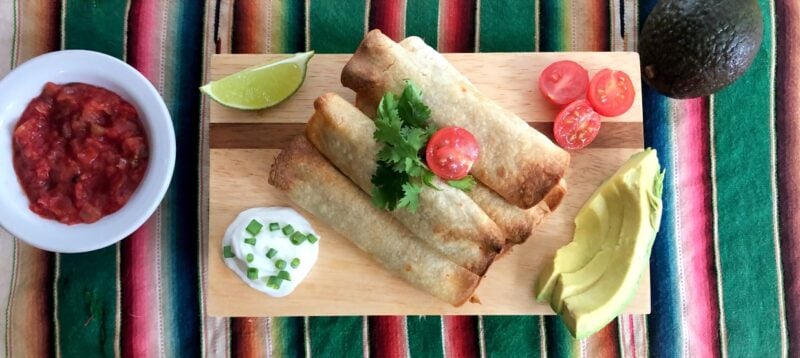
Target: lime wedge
(261,86)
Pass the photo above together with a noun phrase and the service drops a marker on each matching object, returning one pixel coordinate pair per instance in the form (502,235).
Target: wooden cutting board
(345,281)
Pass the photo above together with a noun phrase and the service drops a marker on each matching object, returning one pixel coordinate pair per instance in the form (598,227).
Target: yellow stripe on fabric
(723,331)
(7,33)
(8,266)
(774,181)
(29,307)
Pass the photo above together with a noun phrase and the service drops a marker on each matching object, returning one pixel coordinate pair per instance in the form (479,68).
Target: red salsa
(79,152)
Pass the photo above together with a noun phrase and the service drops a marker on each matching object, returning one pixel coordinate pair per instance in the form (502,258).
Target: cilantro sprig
(403,131)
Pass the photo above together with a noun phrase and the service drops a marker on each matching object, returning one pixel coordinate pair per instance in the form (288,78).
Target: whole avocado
(692,48)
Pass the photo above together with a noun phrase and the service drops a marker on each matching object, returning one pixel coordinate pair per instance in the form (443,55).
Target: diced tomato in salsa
(79,152)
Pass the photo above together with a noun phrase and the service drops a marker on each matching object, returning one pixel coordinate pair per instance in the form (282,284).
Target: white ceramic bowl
(24,83)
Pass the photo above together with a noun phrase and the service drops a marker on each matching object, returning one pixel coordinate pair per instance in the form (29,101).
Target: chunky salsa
(79,152)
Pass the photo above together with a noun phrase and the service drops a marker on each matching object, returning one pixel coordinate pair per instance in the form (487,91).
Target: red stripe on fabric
(248,337)
(598,21)
(143,26)
(139,302)
(139,330)
(604,343)
(457,25)
(249,19)
(632,336)
(388,336)
(388,16)
(787,88)
(693,178)
(460,336)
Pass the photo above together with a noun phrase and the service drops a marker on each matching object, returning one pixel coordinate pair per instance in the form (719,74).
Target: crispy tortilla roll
(447,218)
(516,161)
(315,185)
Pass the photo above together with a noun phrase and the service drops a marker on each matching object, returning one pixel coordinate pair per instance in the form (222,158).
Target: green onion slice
(274,226)
(295,262)
(312,238)
(284,275)
(227,252)
(287,230)
(271,253)
(280,264)
(297,238)
(250,241)
(249,258)
(274,282)
(252,273)
(254,227)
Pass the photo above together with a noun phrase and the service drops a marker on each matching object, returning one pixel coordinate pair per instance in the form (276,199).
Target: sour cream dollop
(271,249)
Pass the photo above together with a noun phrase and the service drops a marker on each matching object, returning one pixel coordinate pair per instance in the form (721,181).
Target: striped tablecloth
(725,266)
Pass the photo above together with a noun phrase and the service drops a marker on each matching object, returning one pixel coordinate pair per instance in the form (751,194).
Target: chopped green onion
(280,264)
(274,226)
(295,262)
(226,252)
(271,253)
(254,227)
(249,258)
(252,273)
(287,230)
(274,282)
(312,238)
(250,241)
(297,238)
(284,275)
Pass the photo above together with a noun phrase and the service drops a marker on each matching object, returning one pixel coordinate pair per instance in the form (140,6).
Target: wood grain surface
(345,281)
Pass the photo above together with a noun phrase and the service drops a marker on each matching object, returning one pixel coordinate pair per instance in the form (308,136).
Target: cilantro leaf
(411,107)
(410,199)
(388,186)
(402,131)
(466,183)
(427,179)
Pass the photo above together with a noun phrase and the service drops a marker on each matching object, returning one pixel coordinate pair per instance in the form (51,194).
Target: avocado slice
(572,283)
(639,192)
(692,48)
(594,230)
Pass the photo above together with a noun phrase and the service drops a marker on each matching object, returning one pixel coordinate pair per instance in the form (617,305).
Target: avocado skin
(692,48)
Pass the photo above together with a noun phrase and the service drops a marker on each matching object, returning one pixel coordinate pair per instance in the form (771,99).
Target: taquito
(516,161)
(447,219)
(314,184)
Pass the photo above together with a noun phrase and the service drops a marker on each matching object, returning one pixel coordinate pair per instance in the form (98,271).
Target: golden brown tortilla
(519,163)
(447,219)
(315,185)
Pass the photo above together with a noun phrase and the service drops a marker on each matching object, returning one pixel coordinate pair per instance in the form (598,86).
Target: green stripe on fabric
(422,19)
(287,337)
(742,141)
(86,288)
(95,25)
(336,336)
(425,336)
(180,304)
(288,26)
(553,25)
(507,336)
(560,342)
(336,26)
(87,303)
(505,28)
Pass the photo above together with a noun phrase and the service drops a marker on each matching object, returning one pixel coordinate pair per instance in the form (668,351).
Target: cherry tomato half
(576,125)
(611,93)
(563,82)
(450,153)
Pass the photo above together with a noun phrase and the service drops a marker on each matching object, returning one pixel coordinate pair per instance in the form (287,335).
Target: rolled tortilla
(315,185)
(516,161)
(447,219)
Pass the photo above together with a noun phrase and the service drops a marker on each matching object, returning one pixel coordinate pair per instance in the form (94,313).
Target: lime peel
(262,86)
